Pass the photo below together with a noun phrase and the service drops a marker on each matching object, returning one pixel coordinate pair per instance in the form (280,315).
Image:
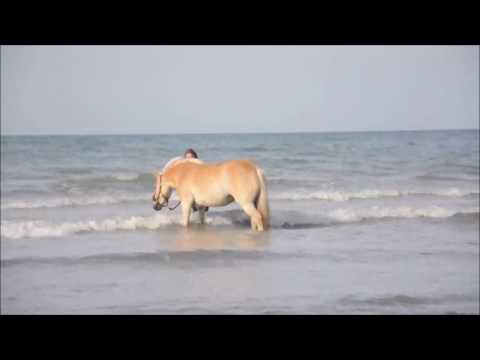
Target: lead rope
(174,206)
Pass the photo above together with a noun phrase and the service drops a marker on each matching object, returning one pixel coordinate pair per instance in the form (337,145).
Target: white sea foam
(376,212)
(101,176)
(294,195)
(366,194)
(75,201)
(125,176)
(35,229)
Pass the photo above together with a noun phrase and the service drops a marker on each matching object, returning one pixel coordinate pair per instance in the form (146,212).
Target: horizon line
(246,133)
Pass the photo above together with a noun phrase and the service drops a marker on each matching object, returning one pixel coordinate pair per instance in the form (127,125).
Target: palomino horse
(209,185)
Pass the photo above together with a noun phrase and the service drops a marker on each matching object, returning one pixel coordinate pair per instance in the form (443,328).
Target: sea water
(362,223)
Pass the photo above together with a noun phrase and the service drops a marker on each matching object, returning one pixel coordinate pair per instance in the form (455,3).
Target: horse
(214,185)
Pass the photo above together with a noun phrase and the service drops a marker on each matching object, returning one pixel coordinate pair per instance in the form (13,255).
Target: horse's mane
(181,161)
(193,160)
(196,161)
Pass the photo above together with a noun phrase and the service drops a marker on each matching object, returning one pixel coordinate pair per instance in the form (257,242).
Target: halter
(169,208)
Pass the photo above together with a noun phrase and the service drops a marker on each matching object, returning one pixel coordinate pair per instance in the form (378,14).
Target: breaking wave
(316,195)
(367,194)
(35,229)
(80,201)
(109,177)
(375,212)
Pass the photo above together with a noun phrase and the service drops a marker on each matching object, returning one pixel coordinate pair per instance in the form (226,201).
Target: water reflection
(207,238)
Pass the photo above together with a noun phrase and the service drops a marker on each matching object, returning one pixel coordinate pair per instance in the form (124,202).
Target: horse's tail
(262,202)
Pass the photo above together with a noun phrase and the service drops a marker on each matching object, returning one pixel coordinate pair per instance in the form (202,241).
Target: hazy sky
(189,89)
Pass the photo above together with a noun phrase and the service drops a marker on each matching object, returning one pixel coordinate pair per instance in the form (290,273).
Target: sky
(237,89)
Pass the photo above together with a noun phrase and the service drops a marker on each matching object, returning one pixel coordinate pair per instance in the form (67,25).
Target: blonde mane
(196,161)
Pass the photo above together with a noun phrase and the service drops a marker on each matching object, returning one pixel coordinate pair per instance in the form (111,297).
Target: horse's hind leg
(255,216)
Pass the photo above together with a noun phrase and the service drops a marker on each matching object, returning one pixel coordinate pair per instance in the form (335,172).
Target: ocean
(362,223)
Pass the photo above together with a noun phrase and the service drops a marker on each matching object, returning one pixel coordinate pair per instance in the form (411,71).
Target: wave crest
(36,229)
(340,196)
(367,194)
(80,201)
(375,212)
(287,220)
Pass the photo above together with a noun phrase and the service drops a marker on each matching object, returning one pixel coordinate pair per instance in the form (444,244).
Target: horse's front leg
(156,193)
(186,211)
(201,214)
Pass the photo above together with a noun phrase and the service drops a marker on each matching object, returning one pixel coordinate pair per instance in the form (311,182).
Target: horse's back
(231,166)
(240,163)
(234,172)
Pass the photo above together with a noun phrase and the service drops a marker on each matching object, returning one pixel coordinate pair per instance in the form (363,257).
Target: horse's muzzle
(157,207)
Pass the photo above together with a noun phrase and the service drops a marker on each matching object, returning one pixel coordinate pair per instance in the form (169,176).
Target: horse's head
(162,193)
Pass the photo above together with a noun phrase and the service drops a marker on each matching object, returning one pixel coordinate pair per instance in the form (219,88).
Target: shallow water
(362,223)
